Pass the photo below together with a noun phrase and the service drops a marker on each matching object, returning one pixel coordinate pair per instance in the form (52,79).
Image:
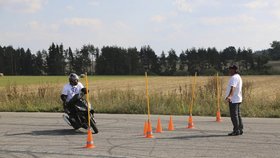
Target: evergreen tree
(163,64)
(149,59)
(213,58)
(172,60)
(82,61)
(274,52)
(56,60)
(38,64)
(8,60)
(120,61)
(193,61)
(133,61)
(183,61)
(70,60)
(2,60)
(28,64)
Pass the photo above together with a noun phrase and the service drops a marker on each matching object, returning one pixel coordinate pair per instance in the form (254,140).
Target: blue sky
(162,24)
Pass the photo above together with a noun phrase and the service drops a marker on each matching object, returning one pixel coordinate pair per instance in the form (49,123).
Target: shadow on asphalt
(196,136)
(58,132)
(55,132)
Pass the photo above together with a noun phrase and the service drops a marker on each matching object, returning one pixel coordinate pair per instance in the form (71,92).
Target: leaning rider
(69,90)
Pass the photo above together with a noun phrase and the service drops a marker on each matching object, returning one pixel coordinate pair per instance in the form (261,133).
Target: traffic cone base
(170,125)
(149,133)
(218,117)
(190,123)
(89,140)
(159,128)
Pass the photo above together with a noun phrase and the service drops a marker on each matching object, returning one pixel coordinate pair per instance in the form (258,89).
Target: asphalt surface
(34,135)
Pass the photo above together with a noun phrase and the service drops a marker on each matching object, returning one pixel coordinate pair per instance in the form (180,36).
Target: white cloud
(190,6)
(36,25)
(183,5)
(240,19)
(275,9)
(158,18)
(23,6)
(29,39)
(94,3)
(88,22)
(54,27)
(69,7)
(121,25)
(177,27)
(276,13)
(257,4)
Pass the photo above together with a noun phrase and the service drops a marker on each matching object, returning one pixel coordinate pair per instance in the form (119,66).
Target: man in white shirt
(70,89)
(234,98)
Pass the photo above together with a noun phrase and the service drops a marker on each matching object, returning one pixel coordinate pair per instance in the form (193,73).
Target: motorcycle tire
(70,122)
(74,123)
(93,125)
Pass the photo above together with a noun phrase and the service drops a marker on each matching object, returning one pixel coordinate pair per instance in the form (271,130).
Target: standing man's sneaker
(234,133)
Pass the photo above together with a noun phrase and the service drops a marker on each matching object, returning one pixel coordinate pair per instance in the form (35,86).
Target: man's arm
(228,98)
(63,98)
(84,90)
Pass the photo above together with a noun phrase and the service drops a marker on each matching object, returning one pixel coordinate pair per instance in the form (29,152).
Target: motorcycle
(76,114)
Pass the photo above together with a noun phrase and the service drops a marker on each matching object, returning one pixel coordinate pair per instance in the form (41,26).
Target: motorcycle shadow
(54,132)
(57,132)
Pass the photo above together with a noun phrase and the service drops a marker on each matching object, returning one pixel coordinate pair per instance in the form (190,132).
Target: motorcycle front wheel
(93,125)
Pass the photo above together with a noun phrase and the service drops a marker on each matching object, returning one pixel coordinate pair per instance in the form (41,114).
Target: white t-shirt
(236,82)
(70,90)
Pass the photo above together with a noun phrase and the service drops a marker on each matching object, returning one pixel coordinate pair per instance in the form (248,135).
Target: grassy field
(126,94)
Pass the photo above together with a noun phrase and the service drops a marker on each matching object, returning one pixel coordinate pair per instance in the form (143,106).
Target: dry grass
(263,86)
(126,94)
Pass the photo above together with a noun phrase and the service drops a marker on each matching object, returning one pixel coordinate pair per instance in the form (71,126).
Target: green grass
(30,80)
(37,80)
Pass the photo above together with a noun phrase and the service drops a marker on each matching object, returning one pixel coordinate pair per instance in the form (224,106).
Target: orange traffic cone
(218,116)
(149,133)
(159,128)
(190,123)
(145,128)
(170,125)
(89,140)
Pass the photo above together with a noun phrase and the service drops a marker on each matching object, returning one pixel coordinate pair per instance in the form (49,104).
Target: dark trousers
(235,116)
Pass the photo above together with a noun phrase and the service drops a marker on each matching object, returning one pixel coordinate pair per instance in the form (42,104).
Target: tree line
(114,60)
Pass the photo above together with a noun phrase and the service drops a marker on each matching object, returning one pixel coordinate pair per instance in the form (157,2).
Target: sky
(162,24)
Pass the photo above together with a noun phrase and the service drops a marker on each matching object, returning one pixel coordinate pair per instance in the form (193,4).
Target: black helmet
(73,79)
(234,67)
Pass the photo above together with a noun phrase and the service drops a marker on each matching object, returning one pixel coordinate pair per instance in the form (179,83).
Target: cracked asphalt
(44,135)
